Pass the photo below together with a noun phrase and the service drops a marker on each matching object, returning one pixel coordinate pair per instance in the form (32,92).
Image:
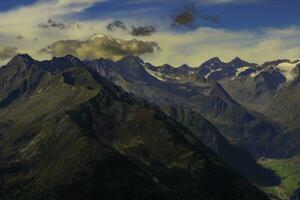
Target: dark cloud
(185,16)
(189,15)
(101,46)
(117,24)
(145,30)
(19,37)
(7,52)
(142,30)
(60,25)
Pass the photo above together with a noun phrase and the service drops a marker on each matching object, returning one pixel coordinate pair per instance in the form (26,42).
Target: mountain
(257,88)
(285,67)
(213,68)
(188,102)
(273,89)
(217,70)
(270,90)
(285,105)
(249,129)
(183,73)
(68,133)
(255,91)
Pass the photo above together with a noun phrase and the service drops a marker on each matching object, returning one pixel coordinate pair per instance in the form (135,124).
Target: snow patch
(241,70)
(286,69)
(255,74)
(155,74)
(212,71)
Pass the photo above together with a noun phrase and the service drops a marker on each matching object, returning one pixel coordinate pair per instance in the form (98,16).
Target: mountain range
(193,89)
(73,129)
(238,98)
(69,133)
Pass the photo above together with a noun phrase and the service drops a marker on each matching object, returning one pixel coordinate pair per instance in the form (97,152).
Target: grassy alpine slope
(289,172)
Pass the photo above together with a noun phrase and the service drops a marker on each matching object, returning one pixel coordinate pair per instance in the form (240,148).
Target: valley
(289,172)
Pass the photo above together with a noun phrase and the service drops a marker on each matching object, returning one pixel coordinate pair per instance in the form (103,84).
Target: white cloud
(101,46)
(24,20)
(255,46)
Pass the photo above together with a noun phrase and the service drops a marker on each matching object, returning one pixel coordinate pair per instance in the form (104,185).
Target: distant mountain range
(204,92)
(254,106)
(82,130)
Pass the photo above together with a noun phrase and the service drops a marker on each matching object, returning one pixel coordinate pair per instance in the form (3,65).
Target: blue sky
(256,14)
(7,5)
(234,14)
(247,28)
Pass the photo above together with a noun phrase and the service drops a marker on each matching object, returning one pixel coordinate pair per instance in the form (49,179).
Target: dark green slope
(70,134)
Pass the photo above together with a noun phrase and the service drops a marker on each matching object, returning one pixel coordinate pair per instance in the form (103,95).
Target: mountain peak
(132,59)
(67,61)
(61,63)
(236,59)
(66,58)
(237,62)
(212,62)
(167,66)
(22,59)
(24,56)
(215,59)
(184,67)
